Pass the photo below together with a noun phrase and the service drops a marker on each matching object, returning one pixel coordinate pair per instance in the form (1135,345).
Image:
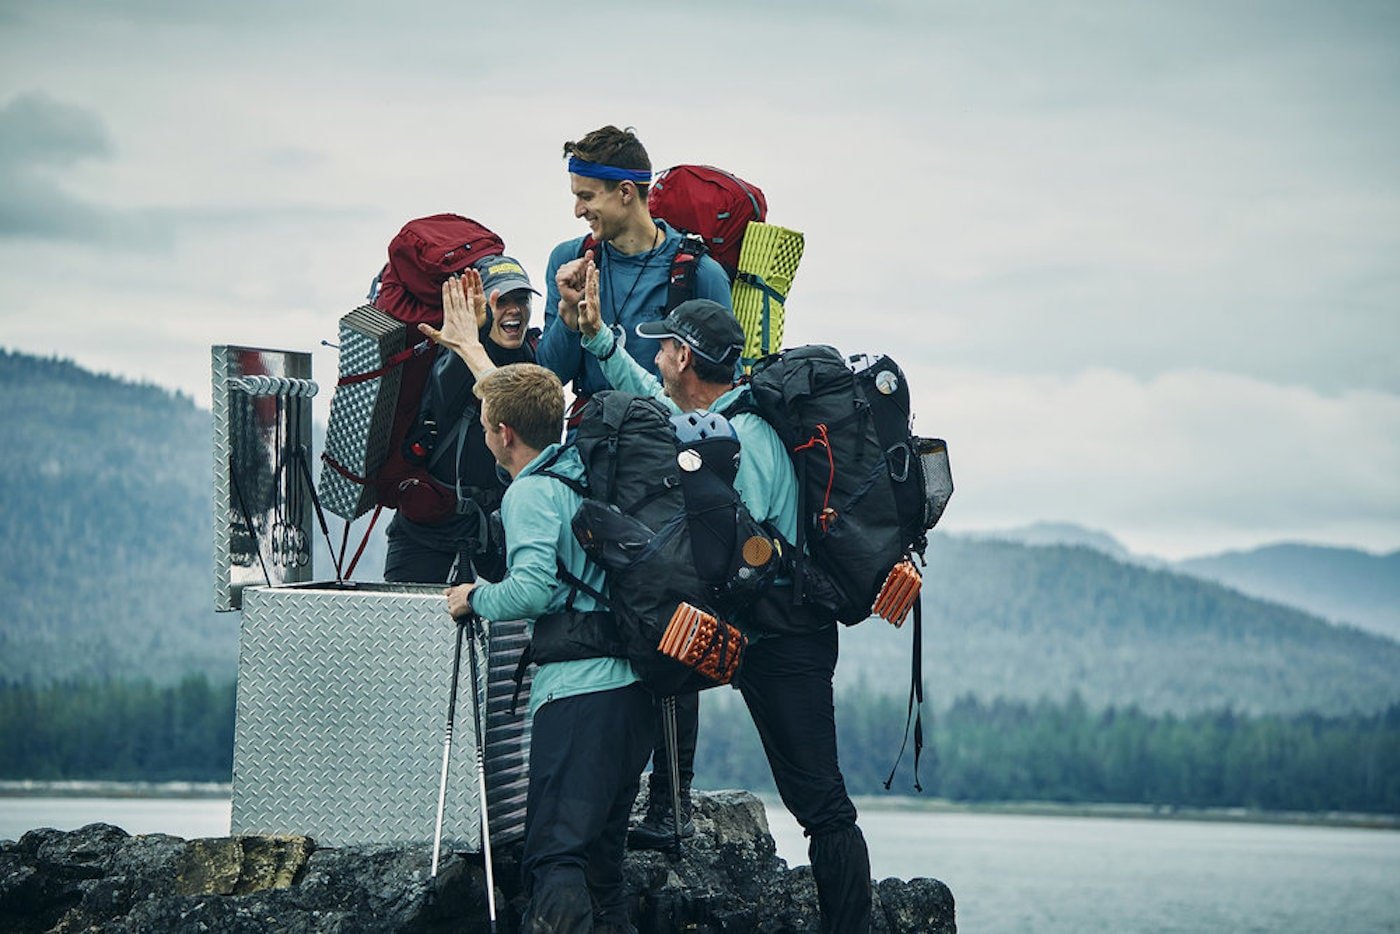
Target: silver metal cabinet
(342,687)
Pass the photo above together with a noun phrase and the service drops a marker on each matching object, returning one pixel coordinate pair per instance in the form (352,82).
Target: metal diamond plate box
(341,712)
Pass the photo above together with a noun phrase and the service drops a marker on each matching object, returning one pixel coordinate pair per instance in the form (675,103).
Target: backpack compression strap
(916,701)
(770,296)
(401,357)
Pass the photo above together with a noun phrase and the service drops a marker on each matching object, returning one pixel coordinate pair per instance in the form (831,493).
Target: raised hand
(463,314)
(590,309)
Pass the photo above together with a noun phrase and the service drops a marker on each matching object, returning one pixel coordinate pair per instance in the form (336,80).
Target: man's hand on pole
(457,604)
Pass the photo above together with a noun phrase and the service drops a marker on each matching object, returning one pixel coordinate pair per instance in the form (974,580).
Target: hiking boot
(657,830)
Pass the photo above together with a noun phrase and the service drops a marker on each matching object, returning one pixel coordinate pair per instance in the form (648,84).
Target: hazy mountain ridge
(1045,534)
(1341,585)
(1338,584)
(107,548)
(1053,621)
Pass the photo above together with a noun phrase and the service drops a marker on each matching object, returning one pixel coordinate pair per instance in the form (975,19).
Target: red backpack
(421,257)
(710,202)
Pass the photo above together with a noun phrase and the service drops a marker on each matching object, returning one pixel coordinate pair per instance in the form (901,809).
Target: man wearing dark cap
(786,676)
(450,443)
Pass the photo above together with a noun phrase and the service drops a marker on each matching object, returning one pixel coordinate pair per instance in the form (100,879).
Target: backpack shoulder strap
(744,405)
(578,486)
(684,282)
(578,585)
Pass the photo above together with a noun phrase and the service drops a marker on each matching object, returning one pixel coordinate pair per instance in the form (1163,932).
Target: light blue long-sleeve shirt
(632,289)
(536,513)
(766,481)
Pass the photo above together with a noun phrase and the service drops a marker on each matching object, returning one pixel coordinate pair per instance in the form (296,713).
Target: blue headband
(611,173)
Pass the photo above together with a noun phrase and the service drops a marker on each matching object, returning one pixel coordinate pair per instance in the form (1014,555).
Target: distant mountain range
(1341,585)
(105,537)
(1043,534)
(1031,622)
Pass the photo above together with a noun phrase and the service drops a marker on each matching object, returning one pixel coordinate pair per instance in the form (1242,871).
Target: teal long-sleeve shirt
(765,482)
(536,512)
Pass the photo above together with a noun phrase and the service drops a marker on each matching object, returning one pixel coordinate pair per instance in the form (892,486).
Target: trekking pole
(668,729)
(447,747)
(481,771)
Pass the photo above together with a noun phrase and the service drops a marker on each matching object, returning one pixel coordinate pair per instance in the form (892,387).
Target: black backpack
(653,504)
(869,489)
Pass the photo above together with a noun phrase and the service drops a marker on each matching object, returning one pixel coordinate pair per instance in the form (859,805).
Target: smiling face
(511,320)
(600,206)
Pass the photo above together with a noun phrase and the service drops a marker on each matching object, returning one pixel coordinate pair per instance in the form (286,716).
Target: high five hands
(590,310)
(464,313)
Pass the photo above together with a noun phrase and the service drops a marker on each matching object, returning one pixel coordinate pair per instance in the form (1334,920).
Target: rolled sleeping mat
(768,263)
(362,409)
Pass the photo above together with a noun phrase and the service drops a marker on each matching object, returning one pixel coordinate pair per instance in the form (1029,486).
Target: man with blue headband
(610,174)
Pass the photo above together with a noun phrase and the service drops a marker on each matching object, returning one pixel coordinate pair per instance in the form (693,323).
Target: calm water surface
(1015,873)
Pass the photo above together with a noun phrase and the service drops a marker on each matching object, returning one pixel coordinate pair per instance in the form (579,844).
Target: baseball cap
(707,327)
(502,274)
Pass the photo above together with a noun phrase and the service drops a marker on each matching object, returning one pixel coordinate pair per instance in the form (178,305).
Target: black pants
(425,554)
(586,758)
(786,683)
(687,735)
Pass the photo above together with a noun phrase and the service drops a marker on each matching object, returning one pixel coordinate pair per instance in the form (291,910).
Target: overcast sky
(1141,260)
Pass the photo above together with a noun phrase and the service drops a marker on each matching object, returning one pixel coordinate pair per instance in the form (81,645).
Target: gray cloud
(37,130)
(39,135)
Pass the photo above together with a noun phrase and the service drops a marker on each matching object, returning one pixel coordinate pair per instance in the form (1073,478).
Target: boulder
(727,878)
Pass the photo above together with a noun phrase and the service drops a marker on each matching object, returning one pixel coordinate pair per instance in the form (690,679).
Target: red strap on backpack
(820,439)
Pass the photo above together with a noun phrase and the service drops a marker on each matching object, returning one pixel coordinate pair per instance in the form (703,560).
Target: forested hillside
(1340,585)
(1007,620)
(105,531)
(105,536)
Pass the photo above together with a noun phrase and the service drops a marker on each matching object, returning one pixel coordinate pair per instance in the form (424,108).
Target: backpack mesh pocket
(938,477)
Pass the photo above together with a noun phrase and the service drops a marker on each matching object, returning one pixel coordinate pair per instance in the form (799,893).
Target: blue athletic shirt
(632,289)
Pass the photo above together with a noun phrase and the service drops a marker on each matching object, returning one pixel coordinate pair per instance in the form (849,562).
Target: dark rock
(916,905)
(727,878)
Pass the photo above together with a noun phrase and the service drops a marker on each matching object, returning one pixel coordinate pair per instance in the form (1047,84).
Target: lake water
(1014,873)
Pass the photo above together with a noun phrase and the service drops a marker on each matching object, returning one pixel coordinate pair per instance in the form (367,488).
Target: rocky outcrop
(728,878)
